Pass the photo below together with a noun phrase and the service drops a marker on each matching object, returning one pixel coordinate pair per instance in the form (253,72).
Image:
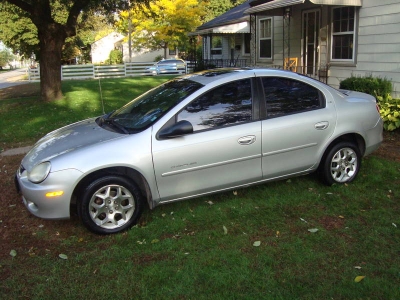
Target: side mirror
(178,129)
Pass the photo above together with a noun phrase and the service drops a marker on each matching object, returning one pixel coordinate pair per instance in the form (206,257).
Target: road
(11,78)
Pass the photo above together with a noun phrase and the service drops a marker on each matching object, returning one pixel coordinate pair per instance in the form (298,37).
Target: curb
(16,151)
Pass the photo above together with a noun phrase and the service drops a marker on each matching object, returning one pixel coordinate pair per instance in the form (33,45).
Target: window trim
(271,38)
(354,33)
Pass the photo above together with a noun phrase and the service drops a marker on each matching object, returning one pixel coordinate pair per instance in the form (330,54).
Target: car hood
(67,139)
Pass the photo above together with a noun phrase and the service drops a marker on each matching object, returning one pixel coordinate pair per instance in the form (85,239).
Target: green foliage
(215,8)
(390,113)
(164,24)
(115,57)
(376,86)
(158,58)
(381,88)
(17,30)
(5,57)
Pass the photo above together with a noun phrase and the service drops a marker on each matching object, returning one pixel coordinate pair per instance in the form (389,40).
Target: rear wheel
(341,164)
(110,204)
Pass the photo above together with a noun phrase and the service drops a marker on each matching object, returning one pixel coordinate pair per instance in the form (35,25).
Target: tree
(163,25)
(55,21)
(215,8)
(5,57)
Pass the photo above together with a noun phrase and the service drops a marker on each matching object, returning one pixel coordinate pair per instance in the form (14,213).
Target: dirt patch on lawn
(20,91)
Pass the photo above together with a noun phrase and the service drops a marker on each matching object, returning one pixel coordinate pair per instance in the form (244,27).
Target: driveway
(13,77)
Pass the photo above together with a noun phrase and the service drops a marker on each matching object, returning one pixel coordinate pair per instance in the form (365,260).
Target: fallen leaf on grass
(210,202)
(394,225)
(256,243)
(155,241)
(357,267)
(13,253)
(235,193)
(63,256)
(313,230)
(225,229)
(359,278)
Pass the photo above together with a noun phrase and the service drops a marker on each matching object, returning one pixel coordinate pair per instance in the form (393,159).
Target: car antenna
(101,97)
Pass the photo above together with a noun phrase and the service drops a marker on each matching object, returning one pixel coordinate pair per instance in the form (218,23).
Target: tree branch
(76,9)
(22,5)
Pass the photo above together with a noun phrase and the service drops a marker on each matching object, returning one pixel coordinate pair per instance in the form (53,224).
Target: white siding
(378,44)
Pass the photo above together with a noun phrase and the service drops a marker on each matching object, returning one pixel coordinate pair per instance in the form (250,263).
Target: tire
(341,164)
(110,204)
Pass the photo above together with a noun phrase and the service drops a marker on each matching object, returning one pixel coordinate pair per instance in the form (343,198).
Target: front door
(223,152)
(311,26)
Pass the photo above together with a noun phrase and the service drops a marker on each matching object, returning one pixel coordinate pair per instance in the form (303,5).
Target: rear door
(300,118)
(223,152)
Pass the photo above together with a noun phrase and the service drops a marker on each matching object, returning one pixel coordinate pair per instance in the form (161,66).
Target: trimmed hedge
(376,86)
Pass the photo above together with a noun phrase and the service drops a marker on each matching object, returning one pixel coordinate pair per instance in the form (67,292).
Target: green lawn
(25,120)
(292,239)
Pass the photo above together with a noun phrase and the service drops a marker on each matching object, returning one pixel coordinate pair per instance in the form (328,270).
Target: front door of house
(311,26)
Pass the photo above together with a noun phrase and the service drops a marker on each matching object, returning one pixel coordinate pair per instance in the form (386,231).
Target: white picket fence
(92,71)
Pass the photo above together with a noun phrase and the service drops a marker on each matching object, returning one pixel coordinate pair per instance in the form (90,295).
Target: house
(101,49)
(226,39)
(327,39)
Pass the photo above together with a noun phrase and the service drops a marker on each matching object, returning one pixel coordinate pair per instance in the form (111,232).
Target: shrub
(376,86)
(390,113)
(158,58)
(115,57)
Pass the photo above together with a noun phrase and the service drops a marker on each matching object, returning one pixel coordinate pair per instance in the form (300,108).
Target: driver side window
(225,105)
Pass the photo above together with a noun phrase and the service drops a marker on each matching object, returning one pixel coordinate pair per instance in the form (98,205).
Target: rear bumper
(374,138)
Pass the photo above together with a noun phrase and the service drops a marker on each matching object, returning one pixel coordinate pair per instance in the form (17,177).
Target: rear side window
(228,104)
(284,96)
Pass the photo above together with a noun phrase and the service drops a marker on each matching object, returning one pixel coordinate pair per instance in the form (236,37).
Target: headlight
(39,172)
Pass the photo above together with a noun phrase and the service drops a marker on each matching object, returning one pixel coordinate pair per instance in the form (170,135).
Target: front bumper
(34,195)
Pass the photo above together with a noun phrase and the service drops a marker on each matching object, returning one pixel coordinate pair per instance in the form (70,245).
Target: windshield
(145,110)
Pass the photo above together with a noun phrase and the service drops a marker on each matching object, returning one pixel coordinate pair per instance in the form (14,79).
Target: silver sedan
(194,135)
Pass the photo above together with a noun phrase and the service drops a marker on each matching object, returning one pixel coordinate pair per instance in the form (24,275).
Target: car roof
(169,60)
(216,75)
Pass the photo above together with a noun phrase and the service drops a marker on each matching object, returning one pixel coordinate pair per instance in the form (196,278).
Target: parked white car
(194,135)
(167,66)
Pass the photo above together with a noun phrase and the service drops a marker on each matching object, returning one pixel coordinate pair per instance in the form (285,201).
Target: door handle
(247,140)
(322,125)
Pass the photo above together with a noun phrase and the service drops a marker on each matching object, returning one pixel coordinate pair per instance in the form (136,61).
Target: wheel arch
(349,137)
(129,173)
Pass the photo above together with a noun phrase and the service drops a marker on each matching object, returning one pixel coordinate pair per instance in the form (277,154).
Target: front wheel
(341,164)
(110,204)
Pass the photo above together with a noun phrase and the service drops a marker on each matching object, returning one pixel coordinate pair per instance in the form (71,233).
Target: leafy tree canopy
(164,24)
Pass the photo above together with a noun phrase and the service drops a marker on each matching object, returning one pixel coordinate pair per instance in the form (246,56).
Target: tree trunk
(51,42)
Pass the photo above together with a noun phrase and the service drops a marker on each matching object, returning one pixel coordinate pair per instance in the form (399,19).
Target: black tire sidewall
(325,171)
(83,205)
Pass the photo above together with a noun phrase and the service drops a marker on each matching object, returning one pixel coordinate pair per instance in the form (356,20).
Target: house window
(216,45)
(246,43)
(343,33)
(265,42)
(172,51)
